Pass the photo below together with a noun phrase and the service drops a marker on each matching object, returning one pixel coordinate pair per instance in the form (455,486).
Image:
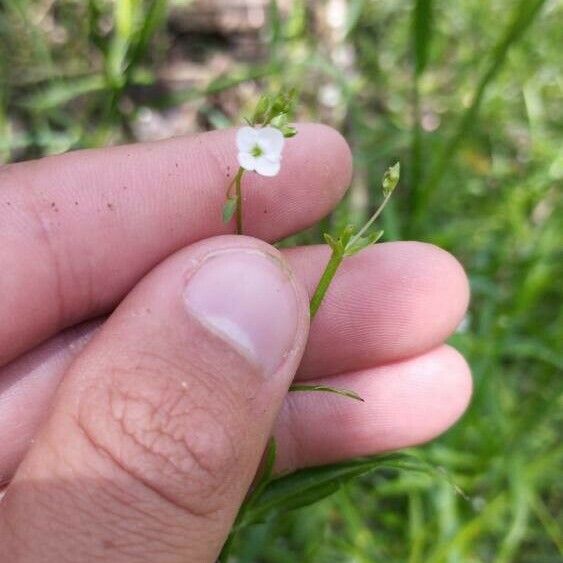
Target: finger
(405,404)
(77,231)
(27,388)
(158,428)
(392,301)
(389,302)
(414,297)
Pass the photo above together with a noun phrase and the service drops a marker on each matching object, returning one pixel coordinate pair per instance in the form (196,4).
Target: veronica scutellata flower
(260,149)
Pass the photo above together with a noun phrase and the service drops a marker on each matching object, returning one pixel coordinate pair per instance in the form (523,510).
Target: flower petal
(246,138)
(271,139)
(267,166)
(247,161)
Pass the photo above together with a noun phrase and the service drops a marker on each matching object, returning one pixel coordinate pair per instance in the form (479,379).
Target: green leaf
(391,179)
(151,21)
(326,389)
(422,28)
(333,243)
(275,110)
(265,475)
(262,108)
(269,460)
(346,234)
(283,102)
(123,16)
(262,482)
(229,209)
(64,91)
(275,31)
(289,131)
(362,242)
(312,484)
(523,15)
(279,120)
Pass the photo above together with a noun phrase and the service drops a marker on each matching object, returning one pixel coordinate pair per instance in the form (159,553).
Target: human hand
(148,446)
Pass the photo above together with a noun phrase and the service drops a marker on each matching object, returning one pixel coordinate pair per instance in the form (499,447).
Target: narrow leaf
(363,242)
(312,484)
(261,483)
(331,241)
(326,389)
(289,131)
(229,209)
(523,15)
(63,91)
(346,235)
(422,28)
(269,460)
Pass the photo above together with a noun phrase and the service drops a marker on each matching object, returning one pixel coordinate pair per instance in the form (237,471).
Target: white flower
(260,149)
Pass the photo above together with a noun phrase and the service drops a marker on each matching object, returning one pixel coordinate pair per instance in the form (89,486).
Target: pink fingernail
(248,298)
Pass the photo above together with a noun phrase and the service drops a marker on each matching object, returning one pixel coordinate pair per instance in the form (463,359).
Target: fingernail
(248,299)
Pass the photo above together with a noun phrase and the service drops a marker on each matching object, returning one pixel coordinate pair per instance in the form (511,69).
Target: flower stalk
(260,145)
(348,243)
(330,270)
(238,195)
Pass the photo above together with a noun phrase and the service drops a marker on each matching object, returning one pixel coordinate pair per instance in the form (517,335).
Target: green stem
(238,191)
(336,259)
(325,281)
(371,221)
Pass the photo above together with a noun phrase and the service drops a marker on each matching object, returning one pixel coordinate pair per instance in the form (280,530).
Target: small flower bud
(391,178)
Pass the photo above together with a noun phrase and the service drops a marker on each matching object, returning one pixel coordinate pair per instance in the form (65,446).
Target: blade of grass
(309,485)
(422,35)
(62,92)
(152,19)
(520,512)
(362,539)
(416,527)
(523,16)
(549,523)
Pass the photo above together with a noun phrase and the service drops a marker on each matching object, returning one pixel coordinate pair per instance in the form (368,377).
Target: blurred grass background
(468,95)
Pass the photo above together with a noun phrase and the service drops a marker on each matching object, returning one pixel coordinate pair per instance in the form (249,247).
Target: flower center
(256,151)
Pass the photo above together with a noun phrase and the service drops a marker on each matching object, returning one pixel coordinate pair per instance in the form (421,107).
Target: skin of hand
(145,352)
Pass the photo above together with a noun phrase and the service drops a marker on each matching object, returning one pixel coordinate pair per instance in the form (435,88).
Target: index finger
(78,231)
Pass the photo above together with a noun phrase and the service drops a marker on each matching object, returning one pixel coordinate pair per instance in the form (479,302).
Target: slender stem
(325,281)
(239,173)
(336,259)
(238,188)
(230,187)
(371,221)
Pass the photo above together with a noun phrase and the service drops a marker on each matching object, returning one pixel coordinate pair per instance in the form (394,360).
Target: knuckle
(169,433)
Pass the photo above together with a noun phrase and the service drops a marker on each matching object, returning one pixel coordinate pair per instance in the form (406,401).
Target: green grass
(467,95)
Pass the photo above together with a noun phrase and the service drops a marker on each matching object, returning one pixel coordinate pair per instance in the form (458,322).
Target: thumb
(160,424)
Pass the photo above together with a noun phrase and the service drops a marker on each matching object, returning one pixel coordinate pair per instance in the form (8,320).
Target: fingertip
(416,400)
(333,153)
(427,289)
(314,176)
(453,386)
(393,301)
(453,275)
(406,403)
